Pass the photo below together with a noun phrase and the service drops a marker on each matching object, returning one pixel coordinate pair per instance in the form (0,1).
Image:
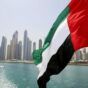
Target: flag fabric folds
(68,34)
(57,62)
(78,23)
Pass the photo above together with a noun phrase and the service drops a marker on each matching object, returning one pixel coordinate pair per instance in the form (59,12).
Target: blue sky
(36,16)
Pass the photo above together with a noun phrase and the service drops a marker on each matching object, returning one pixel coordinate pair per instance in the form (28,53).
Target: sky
(35,16)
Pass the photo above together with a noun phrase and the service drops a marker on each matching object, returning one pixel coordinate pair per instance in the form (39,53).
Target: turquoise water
(14,75)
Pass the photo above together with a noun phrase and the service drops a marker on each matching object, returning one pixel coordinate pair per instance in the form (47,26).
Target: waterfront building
(40,43)
(0,52)
(29,56)
(25,45)
(14,46)
(19,50)
(78,55)
(11,49)
(87,56)
(34,46)
(3,48)
(8,52)
(84,53)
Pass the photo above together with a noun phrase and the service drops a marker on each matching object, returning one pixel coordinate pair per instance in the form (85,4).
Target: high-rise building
(25,45)
(84,53)
(11,49)
(3,48)
(78,55)
(19,50)
(0,52)
(34,46)
(14,46)
(87,56)
(40,43)
(29,49)
(8,52)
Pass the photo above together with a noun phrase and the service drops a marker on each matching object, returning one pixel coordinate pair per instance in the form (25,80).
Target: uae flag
(68,34)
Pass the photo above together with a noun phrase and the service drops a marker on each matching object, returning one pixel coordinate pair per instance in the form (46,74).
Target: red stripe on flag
(78,23)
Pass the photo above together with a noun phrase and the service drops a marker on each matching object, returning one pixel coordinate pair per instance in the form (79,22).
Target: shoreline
(32,62)
(79,63)
(14,61)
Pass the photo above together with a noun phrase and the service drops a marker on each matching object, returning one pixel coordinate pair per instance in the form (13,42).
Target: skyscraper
(78,55)
(84,53)
(19,50)
(29,49)
(25,45)
(14,46)
(3,48)
(40,43)
(34,46)
(0,52)
(8,52)
(11,49)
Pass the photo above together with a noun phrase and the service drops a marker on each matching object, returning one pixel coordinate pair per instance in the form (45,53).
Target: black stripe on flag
(57,62)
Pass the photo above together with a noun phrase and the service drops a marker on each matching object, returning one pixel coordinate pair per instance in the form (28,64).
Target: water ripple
(4,82)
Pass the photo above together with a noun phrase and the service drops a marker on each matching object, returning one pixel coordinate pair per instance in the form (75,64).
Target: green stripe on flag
(37,54)
(58,21)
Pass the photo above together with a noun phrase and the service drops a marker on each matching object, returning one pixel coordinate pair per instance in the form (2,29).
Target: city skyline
(35,16)
(22,50)
(17,49)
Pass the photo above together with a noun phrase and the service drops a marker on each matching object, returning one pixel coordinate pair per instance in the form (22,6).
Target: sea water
(19,75)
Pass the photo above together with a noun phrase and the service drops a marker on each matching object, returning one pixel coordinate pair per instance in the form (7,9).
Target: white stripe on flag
(58,39)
